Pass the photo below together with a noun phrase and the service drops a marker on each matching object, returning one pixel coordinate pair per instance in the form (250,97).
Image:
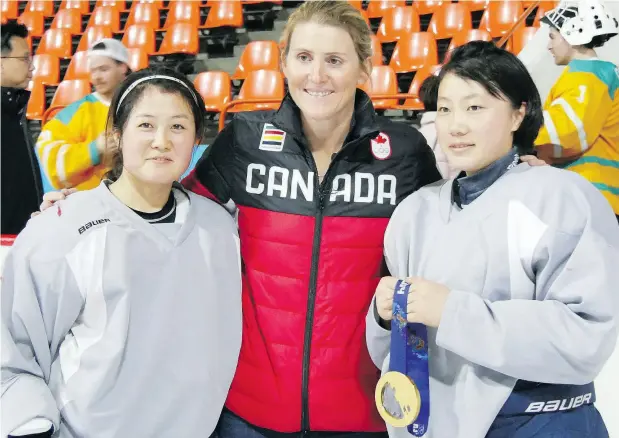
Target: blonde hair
(336,13)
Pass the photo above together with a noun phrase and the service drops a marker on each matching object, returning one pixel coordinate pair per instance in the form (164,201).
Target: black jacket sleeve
(209,177)
(418,166)
(425,164)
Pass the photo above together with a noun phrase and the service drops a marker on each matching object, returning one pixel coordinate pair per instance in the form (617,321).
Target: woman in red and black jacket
(314,185)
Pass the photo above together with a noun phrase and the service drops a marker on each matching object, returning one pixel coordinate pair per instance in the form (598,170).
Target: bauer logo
(91,224)
(560,405)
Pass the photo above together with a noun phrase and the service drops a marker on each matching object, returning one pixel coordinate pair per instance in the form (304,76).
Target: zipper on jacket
(311,299)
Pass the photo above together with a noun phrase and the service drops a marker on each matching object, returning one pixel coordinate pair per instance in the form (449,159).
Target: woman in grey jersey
(121,305)
(512,268)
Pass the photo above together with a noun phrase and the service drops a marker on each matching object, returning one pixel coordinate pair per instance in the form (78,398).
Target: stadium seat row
(147,14)
(11,8)
(400,48)
(414,51)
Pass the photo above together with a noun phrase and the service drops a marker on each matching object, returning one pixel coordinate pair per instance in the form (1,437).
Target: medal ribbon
(409,354)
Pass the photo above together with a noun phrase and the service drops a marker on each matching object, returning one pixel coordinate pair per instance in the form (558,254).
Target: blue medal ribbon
(409,354)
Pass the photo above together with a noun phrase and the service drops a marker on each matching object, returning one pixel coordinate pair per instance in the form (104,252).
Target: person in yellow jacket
(581,113)
(72,147)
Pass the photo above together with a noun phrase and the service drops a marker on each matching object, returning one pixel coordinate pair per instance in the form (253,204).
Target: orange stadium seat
(425,7)
(66,93)
(157,3)
(56,42)
(46,69)
(180,38)
(140,36)
(82,6)
(462,38)
(500,17)
(120,5)
(105,16)
(69,19)
(224,14)
(92,35)
(449,20)
(475,5)
(144,14)
(78,67)
(378,8)
(214,87)
(398,22)
(549,4)
(520,38)
(183,12)
(377,51)
(34,21)
(36,102)
(261,84)
(9,9)
(414,52)
(382,81)
(257,55)
(414,103)
(43,6)
(138,59)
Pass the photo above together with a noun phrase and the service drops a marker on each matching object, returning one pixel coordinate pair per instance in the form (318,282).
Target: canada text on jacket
(285,183)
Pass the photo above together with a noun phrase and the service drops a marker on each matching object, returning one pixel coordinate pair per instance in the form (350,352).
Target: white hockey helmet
(581,22)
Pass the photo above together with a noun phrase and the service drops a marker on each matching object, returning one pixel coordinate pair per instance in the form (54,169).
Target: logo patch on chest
(272,138)
(381,146)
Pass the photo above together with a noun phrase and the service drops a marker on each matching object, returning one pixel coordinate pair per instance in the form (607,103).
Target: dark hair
(428,92)
(505,77)
(10,29)
(119,112)
(598,41)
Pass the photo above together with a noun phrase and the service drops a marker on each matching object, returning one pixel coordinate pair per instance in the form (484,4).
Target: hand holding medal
(403,393)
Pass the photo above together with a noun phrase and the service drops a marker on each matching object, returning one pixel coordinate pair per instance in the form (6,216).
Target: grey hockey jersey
(533,268)
(114,327)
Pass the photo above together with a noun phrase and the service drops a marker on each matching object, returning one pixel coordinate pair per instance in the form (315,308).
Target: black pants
(582,422)
(232,426)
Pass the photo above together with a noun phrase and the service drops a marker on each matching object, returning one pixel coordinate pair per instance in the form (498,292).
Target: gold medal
(397,399)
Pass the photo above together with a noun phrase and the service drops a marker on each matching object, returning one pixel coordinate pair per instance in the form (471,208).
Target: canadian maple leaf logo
(381,147)
(381,139)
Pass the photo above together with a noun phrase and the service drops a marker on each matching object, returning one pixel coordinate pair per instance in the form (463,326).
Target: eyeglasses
(27,59)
